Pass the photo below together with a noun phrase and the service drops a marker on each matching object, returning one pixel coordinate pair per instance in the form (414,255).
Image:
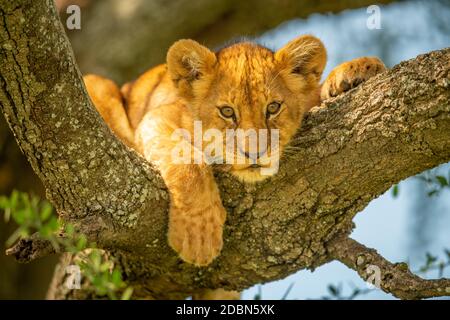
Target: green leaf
(395,191)
(13,199)
(442,181)
(4,202)
(105,266)
(24,233)
(95,259)
(112,296)
(45,232)
(46,211)
(288,290)
(126,295)
(335,291)
(69,230)
(7,215)
(25,198)
(30,216)
(81,243)
(116,278)
(430,259)
(53,224)
(13,238)
(258,296)
(447,252)
(432,193)
(441,268)
(19,216)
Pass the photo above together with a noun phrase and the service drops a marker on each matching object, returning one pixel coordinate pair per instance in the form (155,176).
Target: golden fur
(193,84)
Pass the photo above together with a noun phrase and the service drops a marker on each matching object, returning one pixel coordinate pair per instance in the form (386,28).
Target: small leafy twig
(435,182)
(258,296)
(433,263)
(101,273)
(395,191)
(336,292)
(40,233)
(288,290)
(30,213)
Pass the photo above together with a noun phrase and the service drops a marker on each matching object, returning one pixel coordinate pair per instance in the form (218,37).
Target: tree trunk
(349,150)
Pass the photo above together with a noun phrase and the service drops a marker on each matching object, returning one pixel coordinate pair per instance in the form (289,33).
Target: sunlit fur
(193,84)
(248,77)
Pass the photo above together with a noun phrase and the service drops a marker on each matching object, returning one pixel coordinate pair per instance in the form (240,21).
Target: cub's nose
(254,156)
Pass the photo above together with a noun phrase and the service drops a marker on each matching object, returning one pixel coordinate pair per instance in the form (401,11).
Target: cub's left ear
(305,55)
(187,63)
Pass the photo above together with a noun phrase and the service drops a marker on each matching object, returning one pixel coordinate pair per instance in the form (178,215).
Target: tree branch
(348,151)
(32,248)
(396,278)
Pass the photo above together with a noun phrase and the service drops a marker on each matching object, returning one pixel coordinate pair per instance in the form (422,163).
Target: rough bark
(148,28)
(349,150)
(395,278)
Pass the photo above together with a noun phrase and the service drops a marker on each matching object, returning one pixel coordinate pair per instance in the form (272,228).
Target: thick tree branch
(349,150)
(395,278)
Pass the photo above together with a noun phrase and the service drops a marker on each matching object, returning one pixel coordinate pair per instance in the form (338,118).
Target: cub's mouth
(249,173)
(249,167)
(252,173)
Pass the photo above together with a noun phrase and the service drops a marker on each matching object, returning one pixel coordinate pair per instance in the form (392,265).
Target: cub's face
(248,88)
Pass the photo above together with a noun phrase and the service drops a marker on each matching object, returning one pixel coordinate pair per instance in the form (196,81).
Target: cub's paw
(349,75)
(197,235)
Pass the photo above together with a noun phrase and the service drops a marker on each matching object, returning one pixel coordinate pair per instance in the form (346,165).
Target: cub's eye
(273,108)
(227,112)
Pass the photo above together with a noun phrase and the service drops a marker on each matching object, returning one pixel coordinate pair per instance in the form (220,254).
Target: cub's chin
(251,174)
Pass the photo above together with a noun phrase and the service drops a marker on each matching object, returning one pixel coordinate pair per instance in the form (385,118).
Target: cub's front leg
(196,215)
(350,74)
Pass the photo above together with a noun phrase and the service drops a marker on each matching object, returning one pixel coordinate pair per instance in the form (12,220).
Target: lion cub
(243,86)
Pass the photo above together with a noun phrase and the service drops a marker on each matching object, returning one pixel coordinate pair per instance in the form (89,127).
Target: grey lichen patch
(360,260)
(245,204)
(402,266)
(8,45)
(426,124)
(444,83)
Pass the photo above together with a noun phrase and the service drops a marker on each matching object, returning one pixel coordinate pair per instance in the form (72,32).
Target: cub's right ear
(188,61)
(305,56)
